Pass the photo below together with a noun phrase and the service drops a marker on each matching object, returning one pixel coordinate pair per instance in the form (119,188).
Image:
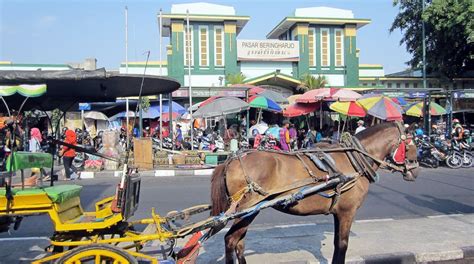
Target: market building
(315,40)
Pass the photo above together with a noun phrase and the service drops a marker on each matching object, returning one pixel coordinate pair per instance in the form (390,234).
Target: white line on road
(446,215)
(295,225)
(374,220)
(22,238)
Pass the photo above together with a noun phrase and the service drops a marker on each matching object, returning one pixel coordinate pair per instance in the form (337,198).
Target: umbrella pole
(161,119)
(127,106)
(320,116)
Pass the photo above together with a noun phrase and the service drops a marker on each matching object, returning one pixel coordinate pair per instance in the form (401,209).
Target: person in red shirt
(69,154)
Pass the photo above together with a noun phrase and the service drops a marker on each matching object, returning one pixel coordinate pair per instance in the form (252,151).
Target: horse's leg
(234,239)
(342,229)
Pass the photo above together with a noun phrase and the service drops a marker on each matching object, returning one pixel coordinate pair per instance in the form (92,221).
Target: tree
(237,78)
(309,82)
(449,30)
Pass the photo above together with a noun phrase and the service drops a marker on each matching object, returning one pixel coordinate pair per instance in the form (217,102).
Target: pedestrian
(360,127)
(178,136)
(285,136)
(34,145)
(68,154)
(293,137)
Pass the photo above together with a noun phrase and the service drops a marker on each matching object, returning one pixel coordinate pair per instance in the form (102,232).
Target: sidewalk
(421,240)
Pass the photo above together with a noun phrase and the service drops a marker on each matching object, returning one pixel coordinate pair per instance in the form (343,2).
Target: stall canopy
(222,106)
(66,88)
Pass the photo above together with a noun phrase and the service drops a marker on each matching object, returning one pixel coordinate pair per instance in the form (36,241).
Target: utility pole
(127,118)
(426,108)
(160,22)
(188,33)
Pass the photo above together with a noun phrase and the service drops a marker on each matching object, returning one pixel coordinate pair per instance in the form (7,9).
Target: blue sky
(36,31)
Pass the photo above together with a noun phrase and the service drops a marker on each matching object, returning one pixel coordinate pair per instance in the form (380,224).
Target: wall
(252,69)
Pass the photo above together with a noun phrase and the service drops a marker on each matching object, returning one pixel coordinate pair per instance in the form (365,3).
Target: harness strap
(251,185)
(310,172)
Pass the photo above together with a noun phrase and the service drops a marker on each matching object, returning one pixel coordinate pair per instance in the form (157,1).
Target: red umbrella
(328,94)
(208,100)
(253,90)
(166,116)
(297,109)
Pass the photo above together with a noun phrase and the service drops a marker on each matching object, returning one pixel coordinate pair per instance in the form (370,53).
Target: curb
(464,253)
(153,173)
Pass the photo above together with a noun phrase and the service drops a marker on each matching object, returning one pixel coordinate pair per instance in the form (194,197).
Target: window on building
(364,84)
(325,47)
(415,85)
(398,85)
(455,85)
(219,46)
(339,40)
(389,85)
(188,46)
(203,46)
(311,47)
(373,84)
(407,85)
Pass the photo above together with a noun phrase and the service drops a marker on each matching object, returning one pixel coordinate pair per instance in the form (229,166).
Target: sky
(61,31)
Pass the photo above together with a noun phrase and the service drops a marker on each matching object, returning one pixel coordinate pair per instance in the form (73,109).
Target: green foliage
(449,30)
(56,115)
(237,78)
(145,104)
(309,82)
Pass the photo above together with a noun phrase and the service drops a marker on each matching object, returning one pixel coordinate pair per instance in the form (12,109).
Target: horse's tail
(219,196)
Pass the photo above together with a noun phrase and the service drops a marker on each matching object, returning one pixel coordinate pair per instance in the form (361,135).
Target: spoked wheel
(97,254)
(454,161)
(467,160)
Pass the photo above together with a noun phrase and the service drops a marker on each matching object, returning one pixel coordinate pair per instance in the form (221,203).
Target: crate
(161,162)
(179,159)
(193,160)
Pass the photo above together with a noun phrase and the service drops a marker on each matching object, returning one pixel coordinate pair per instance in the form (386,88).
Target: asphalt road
(436,192)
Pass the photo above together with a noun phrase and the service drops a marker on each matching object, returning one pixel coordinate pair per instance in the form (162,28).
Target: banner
(268,50)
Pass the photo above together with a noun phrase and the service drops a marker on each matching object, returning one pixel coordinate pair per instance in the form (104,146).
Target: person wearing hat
(360,126)
(285,136)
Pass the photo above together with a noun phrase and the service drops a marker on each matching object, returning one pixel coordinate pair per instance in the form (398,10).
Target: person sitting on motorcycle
(178,136)
(457,133)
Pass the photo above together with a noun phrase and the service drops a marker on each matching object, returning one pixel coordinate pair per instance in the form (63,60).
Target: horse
(272,170)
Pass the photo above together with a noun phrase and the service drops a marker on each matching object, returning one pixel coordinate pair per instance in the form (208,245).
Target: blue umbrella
(154,111)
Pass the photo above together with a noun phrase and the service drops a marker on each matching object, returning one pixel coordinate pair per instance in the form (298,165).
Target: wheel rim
(97,256)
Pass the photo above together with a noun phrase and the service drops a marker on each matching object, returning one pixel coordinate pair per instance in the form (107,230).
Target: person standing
(178,136)
(293,137)
(68,155)
(34,145)
(285,136)
(360,126)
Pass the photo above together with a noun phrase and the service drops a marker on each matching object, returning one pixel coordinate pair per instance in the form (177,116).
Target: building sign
(84,106)
(209,92)
(267,50)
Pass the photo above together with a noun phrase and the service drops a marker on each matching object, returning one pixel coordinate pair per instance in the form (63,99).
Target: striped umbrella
(416,109)
(264,103)
(348,108)
(400,101)
(381,107)
(328,94)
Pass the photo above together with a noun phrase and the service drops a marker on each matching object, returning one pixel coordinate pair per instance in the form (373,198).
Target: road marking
(446,215)
(22,238)
(374,220)
(295,225)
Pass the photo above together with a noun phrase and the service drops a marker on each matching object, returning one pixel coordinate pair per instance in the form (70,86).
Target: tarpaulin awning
(65,88)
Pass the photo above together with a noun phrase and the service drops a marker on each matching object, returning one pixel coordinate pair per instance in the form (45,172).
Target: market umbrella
(400,101)
(328,94)
(292,99)
(299,109)
(262,102)
(123,115)
(381,107)
(348,108)
(274,96)
(166,116)
(221,106)
(416,109)
(95,115)
(208,100)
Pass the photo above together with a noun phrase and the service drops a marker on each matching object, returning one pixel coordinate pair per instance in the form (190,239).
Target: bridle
(398,160)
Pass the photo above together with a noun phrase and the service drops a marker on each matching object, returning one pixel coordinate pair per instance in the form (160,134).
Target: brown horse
(271,171)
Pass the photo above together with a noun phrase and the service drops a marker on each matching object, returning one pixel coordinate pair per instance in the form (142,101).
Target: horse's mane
(374,129)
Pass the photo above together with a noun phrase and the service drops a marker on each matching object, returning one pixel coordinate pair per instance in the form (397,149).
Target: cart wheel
(97,254)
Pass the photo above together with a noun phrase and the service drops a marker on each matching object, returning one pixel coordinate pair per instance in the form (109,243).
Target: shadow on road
(295,243)
(444,206)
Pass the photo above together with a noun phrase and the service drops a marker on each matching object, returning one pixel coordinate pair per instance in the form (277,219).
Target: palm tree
(309,82)
(236,78)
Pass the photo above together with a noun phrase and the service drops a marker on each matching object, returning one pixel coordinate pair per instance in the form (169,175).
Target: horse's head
(389,142)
